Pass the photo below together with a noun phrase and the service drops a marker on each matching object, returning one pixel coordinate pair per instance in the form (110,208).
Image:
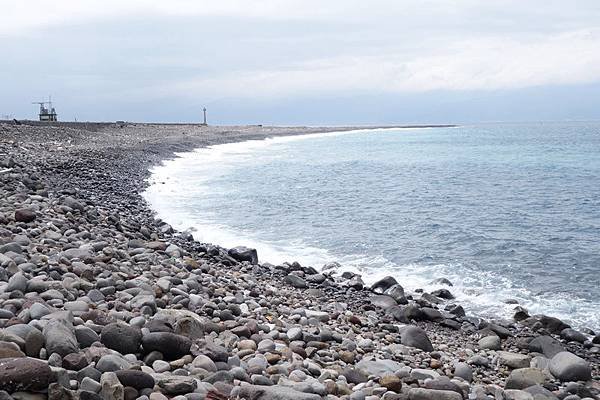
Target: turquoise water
(503,211)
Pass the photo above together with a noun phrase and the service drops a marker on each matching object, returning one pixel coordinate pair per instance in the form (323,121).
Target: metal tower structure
(47,114)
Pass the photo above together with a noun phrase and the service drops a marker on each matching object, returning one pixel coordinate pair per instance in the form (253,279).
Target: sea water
(504,211)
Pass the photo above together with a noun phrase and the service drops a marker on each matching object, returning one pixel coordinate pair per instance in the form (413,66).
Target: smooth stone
(566,367)
(491,342)
(10,350)
(274,393)
(60,337)
(513,360)
(296,281)
(571,335)
(430,394)
(391,382)
(413,336)
(383,284)
(205,363)
(172,346)
(86,336)
(136,379)
(90,385)
(161,366)
(25,215)
(174,385)
(242,253)
(522,378)
(121,337)
(378,368)
(464,371)
(546,345)
(38,310)
(17,282)
(111,363)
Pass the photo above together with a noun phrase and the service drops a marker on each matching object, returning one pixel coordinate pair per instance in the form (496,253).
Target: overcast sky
(302,62)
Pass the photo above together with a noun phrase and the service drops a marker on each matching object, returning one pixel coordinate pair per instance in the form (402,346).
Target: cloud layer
(278,50)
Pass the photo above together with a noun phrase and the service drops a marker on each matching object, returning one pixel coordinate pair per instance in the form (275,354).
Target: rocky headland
(100,300)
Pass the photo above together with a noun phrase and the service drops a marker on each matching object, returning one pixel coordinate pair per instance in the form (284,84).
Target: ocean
(504,211)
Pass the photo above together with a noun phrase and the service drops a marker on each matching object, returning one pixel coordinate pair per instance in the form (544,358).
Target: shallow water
(503,211)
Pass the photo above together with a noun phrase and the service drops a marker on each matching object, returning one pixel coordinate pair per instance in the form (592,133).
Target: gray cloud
(136,59)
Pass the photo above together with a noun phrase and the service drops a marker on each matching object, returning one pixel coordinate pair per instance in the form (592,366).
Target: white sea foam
(480,292)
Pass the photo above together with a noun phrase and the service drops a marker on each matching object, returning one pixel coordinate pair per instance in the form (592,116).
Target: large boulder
(414,336)
(525,377)
(60,337)
(242,253)
(383,284)
(571,335)
(121,337)
(546,345)
(553,325)
(396,292)
(568,367)
(24,374)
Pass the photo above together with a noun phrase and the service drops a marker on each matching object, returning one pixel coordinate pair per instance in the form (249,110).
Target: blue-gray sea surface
(507,211)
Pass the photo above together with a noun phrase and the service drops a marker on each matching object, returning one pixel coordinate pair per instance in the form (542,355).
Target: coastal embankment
(100,300)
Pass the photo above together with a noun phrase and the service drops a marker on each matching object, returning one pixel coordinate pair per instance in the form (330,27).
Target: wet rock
(24,374)
(443,294)
(396,292)
(571,335)
(242,253)
(383,284)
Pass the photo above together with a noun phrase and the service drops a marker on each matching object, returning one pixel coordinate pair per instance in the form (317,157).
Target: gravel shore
(100,300)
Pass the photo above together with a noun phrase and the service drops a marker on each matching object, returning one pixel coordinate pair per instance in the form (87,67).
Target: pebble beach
(99,299)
